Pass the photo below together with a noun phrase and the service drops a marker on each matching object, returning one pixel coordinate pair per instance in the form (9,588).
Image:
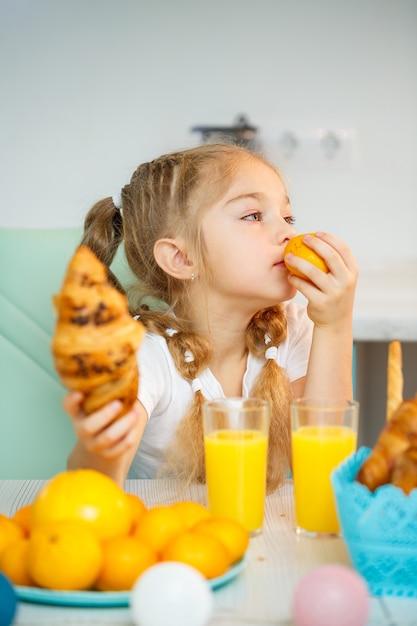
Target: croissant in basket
(404,471)
(95,341)
(392,459)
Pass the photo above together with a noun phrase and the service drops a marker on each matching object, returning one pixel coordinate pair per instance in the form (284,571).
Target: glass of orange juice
(324,433)
(236,449)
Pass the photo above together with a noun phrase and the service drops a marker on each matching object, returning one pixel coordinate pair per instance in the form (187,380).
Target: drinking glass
(324,433)
(236,448)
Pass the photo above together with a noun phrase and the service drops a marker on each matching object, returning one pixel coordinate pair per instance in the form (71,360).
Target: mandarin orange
(22,517)
(88,495)
(13,562)
(138,509)
(230,532)
(297,247)
(158,525)
(64,555)
(200,550)
(9,531)
(191,512)
(124,560)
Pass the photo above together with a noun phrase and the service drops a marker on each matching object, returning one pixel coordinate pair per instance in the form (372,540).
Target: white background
(91,88)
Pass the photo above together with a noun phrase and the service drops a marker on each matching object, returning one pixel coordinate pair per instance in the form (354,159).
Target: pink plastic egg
(329,595)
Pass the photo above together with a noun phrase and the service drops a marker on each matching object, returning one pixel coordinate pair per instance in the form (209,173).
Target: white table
(259,596)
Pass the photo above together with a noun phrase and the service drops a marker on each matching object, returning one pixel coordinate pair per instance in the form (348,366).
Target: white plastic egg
(171,593)
(329,595)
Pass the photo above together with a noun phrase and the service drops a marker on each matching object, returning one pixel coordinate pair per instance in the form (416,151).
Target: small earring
(192,277)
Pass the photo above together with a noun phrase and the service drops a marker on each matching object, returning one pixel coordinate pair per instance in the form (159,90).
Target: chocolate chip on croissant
(95,341)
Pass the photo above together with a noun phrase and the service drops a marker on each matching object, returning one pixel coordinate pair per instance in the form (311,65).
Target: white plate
(107,598)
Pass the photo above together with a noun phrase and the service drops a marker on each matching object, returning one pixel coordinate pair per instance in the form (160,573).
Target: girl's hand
(330,296)
(104,443)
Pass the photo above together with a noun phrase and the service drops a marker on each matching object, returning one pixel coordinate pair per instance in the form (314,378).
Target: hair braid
(269,326)
(185,455)
(191,354)
(103,233)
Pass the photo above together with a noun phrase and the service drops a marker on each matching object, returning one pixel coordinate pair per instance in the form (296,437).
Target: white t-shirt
(166,395)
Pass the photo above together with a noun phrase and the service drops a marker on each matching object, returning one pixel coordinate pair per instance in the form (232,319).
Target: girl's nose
(285,233)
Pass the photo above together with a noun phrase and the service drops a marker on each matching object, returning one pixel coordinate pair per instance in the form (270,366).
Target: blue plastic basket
(379,529)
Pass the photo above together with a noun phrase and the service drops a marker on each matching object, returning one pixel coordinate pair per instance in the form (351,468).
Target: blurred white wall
(90,88)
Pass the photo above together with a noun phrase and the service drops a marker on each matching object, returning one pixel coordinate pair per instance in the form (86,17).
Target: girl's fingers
(337,257)
(338,248)
(116,449)
(72,403)
(91,425)
(124,434)
(102,434)
(330,295)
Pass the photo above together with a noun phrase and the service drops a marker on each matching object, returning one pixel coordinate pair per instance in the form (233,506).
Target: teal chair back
(36,435)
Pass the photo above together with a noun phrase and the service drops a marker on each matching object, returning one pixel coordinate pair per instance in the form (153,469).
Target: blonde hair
(168,198)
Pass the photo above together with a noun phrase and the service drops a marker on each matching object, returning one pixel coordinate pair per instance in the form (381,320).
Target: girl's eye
(290,219)
(253,217)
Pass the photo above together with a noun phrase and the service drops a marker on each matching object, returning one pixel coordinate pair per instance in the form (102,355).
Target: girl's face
(245,234)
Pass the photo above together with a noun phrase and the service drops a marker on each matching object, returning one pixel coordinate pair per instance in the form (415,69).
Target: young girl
(204,232)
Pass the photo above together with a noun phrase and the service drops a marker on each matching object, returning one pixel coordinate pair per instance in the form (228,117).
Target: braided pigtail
(266,331)
(185,456)
(103,233)
(192,354)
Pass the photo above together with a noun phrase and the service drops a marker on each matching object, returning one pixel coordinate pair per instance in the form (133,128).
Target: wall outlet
(327,149)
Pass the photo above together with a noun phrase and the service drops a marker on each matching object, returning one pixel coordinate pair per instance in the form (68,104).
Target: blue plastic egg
(8,601)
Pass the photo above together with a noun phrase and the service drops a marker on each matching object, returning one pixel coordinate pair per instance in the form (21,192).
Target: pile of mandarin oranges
(83,532)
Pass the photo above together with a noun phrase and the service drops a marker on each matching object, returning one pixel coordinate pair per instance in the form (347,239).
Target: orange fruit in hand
(200,550)
(230,532)
(297,247)
(22,517)
(13,562)
(138,509)
(88,495)
(191,512)
(158,526)
(64,555)
(9,531)
(124,560)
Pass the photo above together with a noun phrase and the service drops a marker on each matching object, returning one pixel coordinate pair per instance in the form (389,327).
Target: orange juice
(236,475)
(316,451)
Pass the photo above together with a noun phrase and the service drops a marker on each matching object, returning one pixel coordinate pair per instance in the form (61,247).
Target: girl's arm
(329,370)
(330,307)
(297,387)
(103,443)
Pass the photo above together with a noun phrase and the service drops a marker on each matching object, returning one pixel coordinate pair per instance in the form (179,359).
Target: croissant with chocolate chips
(95,341)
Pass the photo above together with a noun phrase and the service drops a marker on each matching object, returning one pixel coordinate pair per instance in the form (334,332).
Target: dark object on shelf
(241,134)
